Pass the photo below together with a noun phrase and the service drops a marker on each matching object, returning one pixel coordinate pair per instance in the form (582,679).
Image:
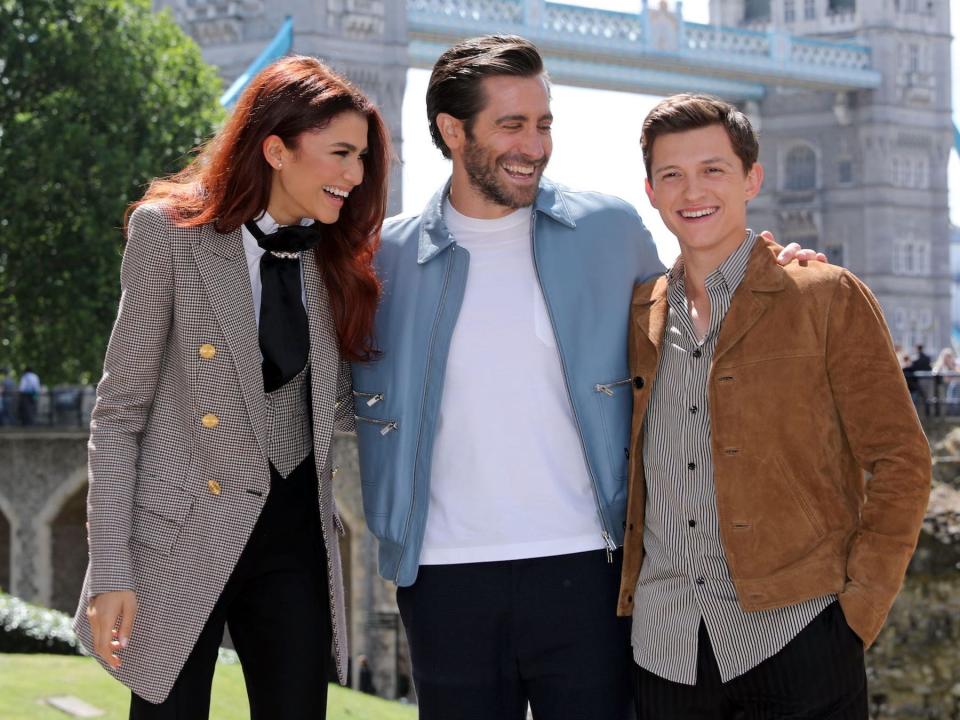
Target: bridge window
(842,6)
(911,257)
(756,10)
(910,172)
(789,11)
(845,171)
(801,168)
(913,62)
(809,9)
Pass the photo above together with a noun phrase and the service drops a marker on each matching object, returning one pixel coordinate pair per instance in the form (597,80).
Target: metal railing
(934,394)
(66,406)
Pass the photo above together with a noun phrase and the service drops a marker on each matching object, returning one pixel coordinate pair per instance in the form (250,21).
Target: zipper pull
(387,428)
(611,546)
(604,389)
(375,399)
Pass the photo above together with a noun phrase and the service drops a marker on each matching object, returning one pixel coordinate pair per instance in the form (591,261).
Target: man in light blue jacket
(494,429)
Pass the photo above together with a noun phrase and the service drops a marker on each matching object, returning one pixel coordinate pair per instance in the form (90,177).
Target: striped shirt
(685,576)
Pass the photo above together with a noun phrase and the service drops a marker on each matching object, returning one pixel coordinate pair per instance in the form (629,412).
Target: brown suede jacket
(806,394)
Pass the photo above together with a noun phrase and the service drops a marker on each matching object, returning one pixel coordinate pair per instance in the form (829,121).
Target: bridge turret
(863,174)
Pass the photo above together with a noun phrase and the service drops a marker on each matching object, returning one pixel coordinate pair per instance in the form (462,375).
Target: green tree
(96,98)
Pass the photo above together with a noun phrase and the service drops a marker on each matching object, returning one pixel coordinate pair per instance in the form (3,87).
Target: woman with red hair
(247,286)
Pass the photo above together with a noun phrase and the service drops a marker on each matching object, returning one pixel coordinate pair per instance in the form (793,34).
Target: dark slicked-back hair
(691,112)
(455,83)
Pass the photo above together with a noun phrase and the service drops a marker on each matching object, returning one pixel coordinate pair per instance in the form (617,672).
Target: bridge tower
(863,175)
(366,40)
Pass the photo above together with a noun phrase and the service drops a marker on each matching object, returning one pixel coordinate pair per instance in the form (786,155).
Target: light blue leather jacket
(589,250)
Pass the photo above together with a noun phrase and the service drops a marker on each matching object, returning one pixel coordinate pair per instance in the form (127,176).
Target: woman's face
(315,179)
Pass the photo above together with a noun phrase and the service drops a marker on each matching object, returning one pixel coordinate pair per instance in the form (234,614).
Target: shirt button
(213,486)
(207,351)
(638,382)
(700,581)
(693,409)
(209,421)
(691,466)
(697,353)
(692,523)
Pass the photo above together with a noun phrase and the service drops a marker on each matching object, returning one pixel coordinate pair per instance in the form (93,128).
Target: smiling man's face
(508,144)
(699,185)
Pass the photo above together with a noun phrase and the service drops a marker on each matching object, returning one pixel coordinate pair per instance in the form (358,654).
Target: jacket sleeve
(125,395)
(650,264)
(886,438)
(343,416)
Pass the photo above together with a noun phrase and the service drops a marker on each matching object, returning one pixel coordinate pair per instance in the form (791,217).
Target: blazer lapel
(220,261)
(324,357)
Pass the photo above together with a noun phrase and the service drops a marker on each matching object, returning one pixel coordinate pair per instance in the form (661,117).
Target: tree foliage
(96,98)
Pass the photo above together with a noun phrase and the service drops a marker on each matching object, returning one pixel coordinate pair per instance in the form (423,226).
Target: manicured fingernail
(123,642)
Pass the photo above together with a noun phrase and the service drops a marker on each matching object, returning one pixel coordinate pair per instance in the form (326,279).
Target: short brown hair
(691,112)
(455,83)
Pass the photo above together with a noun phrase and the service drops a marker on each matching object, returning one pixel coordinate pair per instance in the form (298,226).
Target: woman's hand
(111,616)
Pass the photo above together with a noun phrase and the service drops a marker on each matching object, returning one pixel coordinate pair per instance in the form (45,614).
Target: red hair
(229,181)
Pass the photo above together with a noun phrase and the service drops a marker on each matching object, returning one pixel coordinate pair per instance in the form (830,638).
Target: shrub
(26,628)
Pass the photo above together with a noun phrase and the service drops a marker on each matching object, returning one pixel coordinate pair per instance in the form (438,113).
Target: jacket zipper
(607,388)
(386,426)
(423,407)
(371,398)
(608,542)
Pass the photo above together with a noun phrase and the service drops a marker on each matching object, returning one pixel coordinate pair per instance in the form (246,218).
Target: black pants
(486,638)
(278,610)
(819,675)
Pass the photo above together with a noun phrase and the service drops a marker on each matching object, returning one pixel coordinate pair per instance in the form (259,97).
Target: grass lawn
(26,679)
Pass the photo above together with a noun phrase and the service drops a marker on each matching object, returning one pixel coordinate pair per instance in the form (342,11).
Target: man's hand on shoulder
(793,251)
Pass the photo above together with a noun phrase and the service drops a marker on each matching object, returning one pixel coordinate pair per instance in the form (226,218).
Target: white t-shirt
(508,479)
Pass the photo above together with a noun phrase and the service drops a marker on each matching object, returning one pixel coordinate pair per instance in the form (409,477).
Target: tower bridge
(853,97)
(654,51)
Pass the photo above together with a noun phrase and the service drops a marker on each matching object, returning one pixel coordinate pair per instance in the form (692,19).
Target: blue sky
(596,138)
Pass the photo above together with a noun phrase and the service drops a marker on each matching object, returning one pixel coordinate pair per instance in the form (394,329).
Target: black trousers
(278,611)
(486,638)
(819,675)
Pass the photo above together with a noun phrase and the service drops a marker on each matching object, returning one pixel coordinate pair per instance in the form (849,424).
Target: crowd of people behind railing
(934,385)
(25,402)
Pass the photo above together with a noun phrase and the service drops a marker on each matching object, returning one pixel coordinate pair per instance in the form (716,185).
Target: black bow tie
(284,331)
(287,238)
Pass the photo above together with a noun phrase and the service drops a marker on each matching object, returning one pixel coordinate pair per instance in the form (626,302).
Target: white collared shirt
(254,252)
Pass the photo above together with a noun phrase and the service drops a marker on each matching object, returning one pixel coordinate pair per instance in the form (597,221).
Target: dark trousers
(486,638)
(819,675)
(27,409)
(278,611)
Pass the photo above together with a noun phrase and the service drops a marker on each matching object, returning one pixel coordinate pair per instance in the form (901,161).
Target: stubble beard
(482,173)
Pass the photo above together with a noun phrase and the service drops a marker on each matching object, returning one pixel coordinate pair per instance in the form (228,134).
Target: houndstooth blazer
(178,441)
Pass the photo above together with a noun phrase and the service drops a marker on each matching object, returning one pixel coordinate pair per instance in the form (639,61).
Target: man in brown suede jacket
(758,561)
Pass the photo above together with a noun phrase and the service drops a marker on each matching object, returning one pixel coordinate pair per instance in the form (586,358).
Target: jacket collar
(435,236)
(763,276)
